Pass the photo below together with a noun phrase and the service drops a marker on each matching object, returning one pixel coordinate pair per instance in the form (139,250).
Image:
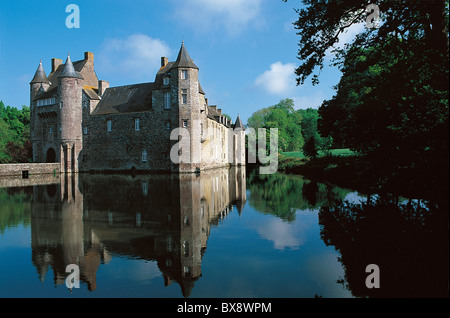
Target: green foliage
(283,117)
(320,24)
(310,129)
(310,148)
(15,145)
(391,103)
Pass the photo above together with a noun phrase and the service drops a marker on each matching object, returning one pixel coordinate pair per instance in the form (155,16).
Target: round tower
(70,116)
(186,89)
(38,85)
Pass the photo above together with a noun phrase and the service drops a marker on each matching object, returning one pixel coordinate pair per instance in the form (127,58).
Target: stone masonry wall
(32,168)
(122,147)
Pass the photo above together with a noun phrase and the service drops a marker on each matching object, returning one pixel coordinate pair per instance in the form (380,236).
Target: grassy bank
(332,152)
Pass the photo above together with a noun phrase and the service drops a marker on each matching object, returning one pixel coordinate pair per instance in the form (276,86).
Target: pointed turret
(239,124)
(69,70)
(183,59)
(40,76)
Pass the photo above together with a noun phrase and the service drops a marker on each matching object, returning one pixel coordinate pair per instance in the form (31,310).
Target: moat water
(224,234)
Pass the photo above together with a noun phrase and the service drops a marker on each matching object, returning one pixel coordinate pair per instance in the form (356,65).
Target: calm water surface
(219,234)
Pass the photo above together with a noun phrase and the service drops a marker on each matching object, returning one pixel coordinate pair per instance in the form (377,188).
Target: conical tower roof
(69,70)
(238,124)
(40,76)
(183,59)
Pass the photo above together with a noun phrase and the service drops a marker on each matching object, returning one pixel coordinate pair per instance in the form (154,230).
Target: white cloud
(137,57)
(282,234)
(233,15)
(279,80)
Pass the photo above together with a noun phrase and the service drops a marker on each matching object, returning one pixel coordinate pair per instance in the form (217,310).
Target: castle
(80,122)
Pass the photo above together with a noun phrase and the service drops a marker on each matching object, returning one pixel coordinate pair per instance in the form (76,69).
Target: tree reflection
(282,195)
(407,239)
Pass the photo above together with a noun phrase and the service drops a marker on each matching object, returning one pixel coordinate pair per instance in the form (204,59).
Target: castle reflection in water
(84,219)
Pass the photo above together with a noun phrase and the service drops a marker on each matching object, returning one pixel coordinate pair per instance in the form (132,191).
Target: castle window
(47,101)
(185,123)
(186,271)
(184,96)
(50,130)
(167,126)
(166,100)
(186,248)
(109,125)
(144,155)
(85,130)
(184,74)
(137,124)
(166,80)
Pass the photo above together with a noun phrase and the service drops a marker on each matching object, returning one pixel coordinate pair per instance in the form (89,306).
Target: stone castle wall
(32,168)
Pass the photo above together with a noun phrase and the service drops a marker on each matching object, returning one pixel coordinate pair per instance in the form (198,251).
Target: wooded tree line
(391,104)
(297,129)
(15,144)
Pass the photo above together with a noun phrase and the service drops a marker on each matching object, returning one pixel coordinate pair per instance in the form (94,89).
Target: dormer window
(166,80)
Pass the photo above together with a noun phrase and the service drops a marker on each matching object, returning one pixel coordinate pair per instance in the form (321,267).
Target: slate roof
(125,99)
(90,78)
(91,93)
(40,76)
(183,59)
(238,124)
(69,70)
(213,113)
(49,93)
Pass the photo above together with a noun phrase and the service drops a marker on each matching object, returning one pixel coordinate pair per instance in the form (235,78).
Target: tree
(310,148)
(4,140)
(391,103)
(321,22)
(309,125)
(283,117)
(15,144)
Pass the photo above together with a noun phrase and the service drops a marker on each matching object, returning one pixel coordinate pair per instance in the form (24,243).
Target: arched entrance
(51,155)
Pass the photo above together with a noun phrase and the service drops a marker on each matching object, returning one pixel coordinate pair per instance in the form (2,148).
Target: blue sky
(246,49)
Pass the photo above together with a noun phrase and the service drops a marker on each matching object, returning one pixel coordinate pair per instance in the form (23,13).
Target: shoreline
(356,173)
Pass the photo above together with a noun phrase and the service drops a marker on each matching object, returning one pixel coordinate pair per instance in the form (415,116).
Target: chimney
(102,86)
(89,56)
(55,64)
(164,61)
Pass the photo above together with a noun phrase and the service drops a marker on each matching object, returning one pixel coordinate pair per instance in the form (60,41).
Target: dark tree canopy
(321,22)
(391,103)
